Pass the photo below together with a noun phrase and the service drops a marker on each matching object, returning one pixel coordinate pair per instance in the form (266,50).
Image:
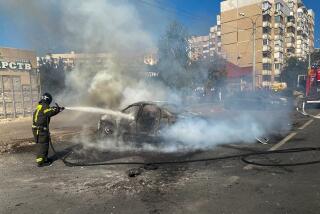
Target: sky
(196,15)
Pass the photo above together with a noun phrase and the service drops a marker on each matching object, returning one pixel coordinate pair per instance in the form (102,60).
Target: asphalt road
(228,186)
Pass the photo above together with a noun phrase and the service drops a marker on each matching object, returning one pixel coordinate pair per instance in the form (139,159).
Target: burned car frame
(149,119)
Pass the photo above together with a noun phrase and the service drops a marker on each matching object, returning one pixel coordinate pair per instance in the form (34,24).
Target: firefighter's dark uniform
(40,129)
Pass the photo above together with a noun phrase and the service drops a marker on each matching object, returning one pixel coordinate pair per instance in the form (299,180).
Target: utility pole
(254,57)
(254,23)
(309,59)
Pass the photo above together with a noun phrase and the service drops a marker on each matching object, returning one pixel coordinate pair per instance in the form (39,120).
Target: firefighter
(40,128)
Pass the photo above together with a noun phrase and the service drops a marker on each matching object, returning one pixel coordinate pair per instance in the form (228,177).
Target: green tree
(315,57)
(217,72)
(174,60)
(290,72)
(209,72)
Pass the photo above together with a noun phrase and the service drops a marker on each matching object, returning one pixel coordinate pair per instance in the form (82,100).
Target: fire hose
(302,110)
(243,157)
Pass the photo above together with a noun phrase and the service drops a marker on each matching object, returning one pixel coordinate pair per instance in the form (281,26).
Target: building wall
(71,59)
(199,47)
(19,82)
(286,29)
(18,55)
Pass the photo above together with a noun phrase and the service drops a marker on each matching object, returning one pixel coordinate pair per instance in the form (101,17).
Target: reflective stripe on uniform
(48,110)
(39,160)
(39,107)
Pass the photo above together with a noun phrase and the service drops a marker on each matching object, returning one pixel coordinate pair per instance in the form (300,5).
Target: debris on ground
(134,172)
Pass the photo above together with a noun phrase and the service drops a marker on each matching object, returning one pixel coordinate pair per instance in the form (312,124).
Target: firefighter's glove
(61,109)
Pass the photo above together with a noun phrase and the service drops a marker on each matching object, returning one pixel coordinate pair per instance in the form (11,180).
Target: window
(278,43)
(278,19)
(280,31)
(277,66)
(279,7)
(290,4)
(266,78)
(290,19)
(266,30)
(266,54)
(266,66)
(266,5)
(278,56)
(266,18)
(266,42)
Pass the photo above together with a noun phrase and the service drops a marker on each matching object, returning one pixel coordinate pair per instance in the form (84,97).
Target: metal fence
(16,99)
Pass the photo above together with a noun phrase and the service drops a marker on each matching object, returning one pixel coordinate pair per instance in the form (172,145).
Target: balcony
(290,34)
(299,28)
(266,84)
(278,60)
(266,60)
(279,13)
(299,37)
(267,12)
(266,48)
(278,25)
(291,24)
(266,24)
(291,45)
(278,49)
(266,72)
(277,72)
(266,36)
(278,37)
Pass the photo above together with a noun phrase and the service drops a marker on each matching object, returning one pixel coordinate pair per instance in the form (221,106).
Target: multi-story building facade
(204,47)
(281,28)
(151,58)
(71,59)
(199,47)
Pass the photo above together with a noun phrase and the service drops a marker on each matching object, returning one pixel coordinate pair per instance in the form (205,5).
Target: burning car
(148,119)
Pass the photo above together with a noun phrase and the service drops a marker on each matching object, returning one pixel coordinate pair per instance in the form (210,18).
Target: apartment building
(204,47)
(151,58)
(71,59)
(282,28)
(199,47)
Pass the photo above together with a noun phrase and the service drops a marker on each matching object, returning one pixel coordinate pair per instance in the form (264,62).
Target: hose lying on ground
(302,110)
(243,157)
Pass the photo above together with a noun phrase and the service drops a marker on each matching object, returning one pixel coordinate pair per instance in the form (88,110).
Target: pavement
(228,186)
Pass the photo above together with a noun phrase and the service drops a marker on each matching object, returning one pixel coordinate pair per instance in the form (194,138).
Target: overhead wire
(173,11)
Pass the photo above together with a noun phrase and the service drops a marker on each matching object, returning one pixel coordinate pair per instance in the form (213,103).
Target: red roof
(234,71)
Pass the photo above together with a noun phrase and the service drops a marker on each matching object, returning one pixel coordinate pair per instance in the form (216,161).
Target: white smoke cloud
(117,28)
(199,133)
(110,26)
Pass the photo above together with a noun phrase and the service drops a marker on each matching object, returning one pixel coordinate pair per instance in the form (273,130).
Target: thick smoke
(114,28)
(117,29)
